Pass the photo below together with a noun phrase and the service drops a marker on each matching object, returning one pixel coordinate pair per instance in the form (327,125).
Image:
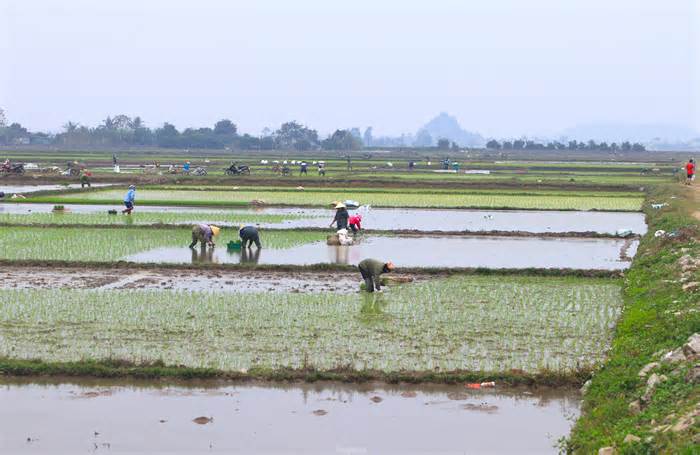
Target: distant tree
(518,144)
(443,144)
(614,147)
(507,145)
(603,146)
(342,140)
(573,145)
(367,137)
(356,132)
(167,136)
(3,119)
(592,145)
(293,135)
(493,144)
(225,126)
(637,147)
(454,146)
(626,146)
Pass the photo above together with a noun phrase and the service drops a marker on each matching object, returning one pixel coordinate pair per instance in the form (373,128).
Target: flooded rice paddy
(9,190)
(423,251)
(96,416)
(445,220)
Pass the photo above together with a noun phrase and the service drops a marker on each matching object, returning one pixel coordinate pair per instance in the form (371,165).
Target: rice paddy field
(427,198)
(461,323)
(106,244)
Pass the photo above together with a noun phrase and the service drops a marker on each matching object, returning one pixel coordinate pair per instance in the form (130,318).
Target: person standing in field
(303,169)
(129,199)
(690,171)
(371,270)
(204,234)
(249,235)
(341,216)
(85,178)
(349,159)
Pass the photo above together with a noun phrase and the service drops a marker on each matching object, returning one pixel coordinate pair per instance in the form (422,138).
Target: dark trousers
(369,281)
(129,207)
(250,241)
(354,228)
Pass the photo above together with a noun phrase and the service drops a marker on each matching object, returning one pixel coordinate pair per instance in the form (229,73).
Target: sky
(504,68)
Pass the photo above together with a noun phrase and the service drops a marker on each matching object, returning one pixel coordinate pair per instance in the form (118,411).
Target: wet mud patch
(178,280)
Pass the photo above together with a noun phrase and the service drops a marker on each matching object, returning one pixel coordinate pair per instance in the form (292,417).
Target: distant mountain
(645,133)
(445,126)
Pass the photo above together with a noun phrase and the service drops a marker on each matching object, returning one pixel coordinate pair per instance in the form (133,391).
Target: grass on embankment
(537,326)
(88,244)
(658,316)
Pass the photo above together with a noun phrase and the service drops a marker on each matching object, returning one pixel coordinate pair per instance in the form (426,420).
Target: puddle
(426,251)
(9,190)
(178,280)
(414,219)
(318,418)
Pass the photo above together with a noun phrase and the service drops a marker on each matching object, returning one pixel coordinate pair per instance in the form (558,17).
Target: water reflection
(203,255)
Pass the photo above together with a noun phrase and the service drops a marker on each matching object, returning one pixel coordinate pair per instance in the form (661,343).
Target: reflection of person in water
(250,256)
(340,254)
(203,255)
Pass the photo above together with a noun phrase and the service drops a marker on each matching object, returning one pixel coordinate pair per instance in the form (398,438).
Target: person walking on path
(371,270)
(129,200)
(341,216)
(204,234)
(249,235)
(355,223)
(690,171)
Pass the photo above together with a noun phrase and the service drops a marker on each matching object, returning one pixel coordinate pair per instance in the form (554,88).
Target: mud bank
(58,418)
(423,251)
(179,280)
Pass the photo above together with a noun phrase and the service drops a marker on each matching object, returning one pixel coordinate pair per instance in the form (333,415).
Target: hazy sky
(502,67)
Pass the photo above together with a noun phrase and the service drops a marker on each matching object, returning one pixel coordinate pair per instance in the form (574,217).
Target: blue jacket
(130,195)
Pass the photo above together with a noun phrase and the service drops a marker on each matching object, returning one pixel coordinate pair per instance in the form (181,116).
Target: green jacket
(373,266)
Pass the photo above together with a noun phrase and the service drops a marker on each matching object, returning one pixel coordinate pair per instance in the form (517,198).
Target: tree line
(122,130)
(523,144)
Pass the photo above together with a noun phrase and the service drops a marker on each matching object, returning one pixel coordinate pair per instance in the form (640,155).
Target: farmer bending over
(355,223)
(204,233)
(129,200)
(250,235)
(371,269)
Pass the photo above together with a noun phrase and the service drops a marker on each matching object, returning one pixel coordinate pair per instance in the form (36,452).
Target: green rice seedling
(107,244)
(380,199)
(459,323)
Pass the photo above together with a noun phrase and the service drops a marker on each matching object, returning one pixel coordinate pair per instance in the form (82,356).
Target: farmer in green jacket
(371,269)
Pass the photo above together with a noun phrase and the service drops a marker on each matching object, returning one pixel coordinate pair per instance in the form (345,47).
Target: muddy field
(99,416)
(180,280)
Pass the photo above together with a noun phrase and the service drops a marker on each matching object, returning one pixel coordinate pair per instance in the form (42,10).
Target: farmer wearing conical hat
(204,234)
(249,235)
(341,216)
(371,269)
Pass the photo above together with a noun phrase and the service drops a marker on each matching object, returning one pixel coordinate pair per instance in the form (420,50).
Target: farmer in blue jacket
(129,200)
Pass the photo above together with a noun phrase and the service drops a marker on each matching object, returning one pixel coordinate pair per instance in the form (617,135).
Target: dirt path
(180,280)
(696,193)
